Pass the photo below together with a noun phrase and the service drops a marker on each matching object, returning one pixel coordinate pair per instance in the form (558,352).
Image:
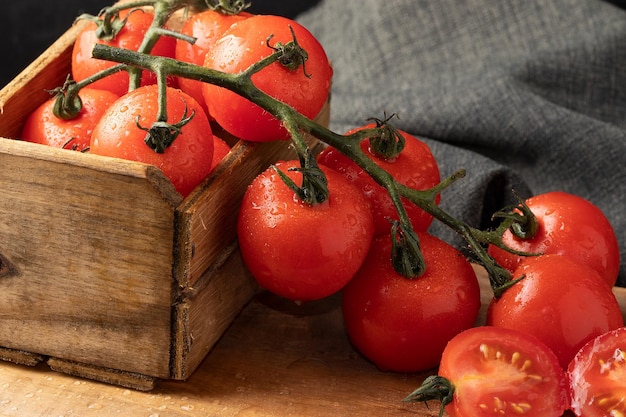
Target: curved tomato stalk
(434,387)
(67,104)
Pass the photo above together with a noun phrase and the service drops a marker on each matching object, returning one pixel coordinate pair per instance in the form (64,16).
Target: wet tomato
(559,301)
(119,133)
(489,371)
(568,225)
(403,324)
(206,27)
(130,37)
(42,126)
(414,167)
(597,376)
(299,251)
(305,88)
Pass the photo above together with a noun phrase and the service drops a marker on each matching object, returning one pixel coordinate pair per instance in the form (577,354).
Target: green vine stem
(242,84)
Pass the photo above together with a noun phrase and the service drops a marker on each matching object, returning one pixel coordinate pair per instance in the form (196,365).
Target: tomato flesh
(503,372)
(597,376)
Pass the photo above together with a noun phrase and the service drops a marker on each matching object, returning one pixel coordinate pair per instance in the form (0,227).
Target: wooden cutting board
(275,360)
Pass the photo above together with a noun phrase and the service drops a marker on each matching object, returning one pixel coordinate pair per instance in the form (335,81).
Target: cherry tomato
(403,324)
(130,37)
(186,162)
(220,150)
(501,372)
(207,27)
(559,301)
(299,251)
(568,225)
(42,126)
(415,167)
(597,376)
(245,43)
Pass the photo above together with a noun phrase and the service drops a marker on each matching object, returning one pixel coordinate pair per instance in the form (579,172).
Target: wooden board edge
(20,357)
(124,379)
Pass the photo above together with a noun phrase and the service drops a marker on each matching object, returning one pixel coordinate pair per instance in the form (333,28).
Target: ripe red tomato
(559,301)
(243,44)
(220,150)
(186,162)
(130,37)
(42,126)
(501,372)
(403,324)
(299,251)
(568,225)
(415,167)
(207,27)
(597,377)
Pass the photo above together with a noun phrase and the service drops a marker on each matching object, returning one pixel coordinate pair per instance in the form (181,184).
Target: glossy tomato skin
(206,27)
(186,162)
(402,324)
(130,37)
(415,167)
(42,126)
(243,44)
(298,251)
(571,226)
(597,376)
(560,301)
(499,371)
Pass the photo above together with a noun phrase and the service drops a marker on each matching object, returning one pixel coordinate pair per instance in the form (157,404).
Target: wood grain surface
(276,359)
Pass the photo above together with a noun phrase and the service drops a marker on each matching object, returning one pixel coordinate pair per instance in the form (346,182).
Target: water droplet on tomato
(123,109)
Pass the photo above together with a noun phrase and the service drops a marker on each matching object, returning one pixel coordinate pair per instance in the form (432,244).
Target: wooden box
(105,271)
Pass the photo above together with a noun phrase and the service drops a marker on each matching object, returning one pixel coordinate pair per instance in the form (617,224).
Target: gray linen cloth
(524,94)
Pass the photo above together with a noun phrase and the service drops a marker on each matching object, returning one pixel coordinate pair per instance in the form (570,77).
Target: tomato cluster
(119,119)
(560,306)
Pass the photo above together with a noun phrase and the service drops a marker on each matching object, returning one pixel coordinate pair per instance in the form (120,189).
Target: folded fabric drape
(526,95)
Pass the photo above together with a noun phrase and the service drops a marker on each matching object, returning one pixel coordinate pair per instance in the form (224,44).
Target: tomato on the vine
(120,133)
(597,376)
(414,167)
(561,302)
(490,371)
(299,251)
(305,88)
(42,126)
(206,27)
(403,324)
(129,37)
(568,225)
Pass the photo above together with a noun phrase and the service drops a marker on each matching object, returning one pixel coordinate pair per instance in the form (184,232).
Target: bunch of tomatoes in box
(554,340)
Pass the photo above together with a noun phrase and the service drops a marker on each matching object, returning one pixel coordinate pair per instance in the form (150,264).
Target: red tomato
(501,372)
(559,301)
(597,376)
(42,126)
(299,251)
(403,324)
(130,37)
(220,150)
(186,162)
(243,44)
(568,225)
(415,167)
(207,27)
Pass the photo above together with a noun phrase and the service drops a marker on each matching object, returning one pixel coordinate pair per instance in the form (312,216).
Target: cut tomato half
(597,376)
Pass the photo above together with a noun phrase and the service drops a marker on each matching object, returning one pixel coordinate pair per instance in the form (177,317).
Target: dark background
(30,26)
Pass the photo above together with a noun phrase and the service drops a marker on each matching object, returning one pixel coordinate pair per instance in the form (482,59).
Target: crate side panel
(90,257)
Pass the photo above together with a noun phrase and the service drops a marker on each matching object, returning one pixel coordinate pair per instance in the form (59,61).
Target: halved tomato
(597,376)
(493,371)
